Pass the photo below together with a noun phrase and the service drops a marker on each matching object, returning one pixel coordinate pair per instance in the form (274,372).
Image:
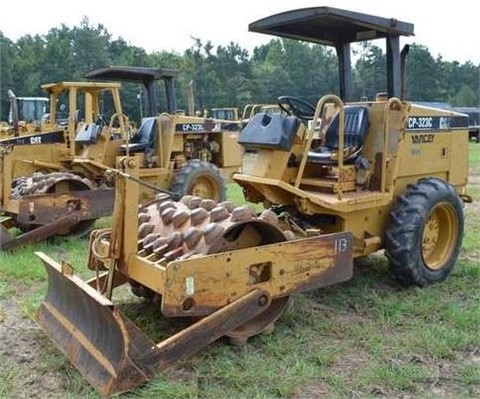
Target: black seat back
(145,138)
(356,127)
(146,133)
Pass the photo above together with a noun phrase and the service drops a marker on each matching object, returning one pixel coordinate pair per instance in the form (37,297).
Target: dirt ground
(23,354)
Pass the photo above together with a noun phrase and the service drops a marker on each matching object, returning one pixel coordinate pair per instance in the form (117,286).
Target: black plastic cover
(275,131)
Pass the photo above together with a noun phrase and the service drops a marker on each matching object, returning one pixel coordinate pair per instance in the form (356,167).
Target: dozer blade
(100,342)
(7,241)
(107,348)
(5,237)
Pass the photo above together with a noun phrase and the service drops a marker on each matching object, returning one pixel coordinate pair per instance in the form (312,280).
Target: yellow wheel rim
(439,236)
(205,187)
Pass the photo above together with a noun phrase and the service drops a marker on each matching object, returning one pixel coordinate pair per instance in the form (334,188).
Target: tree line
(226,75)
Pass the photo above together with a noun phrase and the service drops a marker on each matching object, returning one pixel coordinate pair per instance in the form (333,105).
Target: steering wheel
(295,106)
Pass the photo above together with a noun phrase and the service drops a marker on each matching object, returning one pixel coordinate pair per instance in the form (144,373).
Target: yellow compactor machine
(53,182)
(339,180)
(26,116)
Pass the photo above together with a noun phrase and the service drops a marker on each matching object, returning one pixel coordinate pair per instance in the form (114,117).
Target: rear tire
(425,232)
(201,179)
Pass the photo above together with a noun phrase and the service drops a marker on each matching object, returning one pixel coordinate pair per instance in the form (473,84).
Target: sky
(448,29)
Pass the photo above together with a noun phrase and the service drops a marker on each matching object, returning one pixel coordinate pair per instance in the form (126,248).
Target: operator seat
(88,133)
(144,139)
(356,128)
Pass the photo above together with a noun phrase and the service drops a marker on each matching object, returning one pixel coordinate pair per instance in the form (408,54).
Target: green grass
(235,194)
(474,155)
(369,337)
(8,376)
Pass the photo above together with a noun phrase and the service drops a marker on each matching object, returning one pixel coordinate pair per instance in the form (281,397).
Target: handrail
(389,105)
(325,124)
(123,122)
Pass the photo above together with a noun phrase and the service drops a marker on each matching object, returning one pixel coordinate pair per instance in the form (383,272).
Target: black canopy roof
(145,75)
(330,26)
(132,74)
(339,28)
